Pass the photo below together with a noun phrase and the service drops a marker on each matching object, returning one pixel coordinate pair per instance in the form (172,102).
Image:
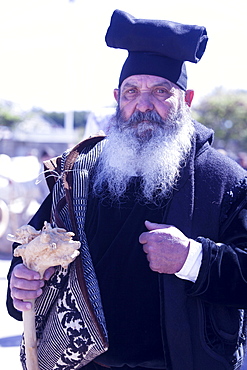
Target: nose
(144,102)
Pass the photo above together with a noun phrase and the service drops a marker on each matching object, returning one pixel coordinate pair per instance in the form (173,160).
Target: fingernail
(28,306)
(39,292)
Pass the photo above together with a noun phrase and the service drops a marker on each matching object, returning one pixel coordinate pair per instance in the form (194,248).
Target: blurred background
(56,81)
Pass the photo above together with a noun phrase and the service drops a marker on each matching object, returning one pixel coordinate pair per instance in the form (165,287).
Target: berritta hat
(156,47)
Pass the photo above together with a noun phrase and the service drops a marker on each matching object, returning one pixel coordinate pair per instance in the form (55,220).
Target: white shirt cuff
(191,267)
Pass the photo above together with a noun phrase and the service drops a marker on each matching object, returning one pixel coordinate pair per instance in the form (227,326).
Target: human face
(146,93)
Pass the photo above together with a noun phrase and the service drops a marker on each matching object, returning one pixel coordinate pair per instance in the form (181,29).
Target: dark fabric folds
(156,47)
(170,39)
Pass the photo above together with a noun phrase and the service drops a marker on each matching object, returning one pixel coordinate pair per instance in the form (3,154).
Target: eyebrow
(164,83)
(127,84)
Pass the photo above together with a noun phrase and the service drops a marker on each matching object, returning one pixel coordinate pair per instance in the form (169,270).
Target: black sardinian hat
(156,47)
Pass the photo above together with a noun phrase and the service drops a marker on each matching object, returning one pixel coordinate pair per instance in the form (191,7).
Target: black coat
(203,322)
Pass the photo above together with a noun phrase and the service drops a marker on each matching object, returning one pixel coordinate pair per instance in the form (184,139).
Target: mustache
(150,116)
(137,117)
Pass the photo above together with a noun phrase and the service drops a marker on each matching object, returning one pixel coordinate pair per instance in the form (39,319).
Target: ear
(189,95)
(116,94)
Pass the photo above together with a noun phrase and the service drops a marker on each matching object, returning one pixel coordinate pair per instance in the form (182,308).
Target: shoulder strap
(52,167)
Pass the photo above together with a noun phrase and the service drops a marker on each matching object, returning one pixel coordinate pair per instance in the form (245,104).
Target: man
(161,216)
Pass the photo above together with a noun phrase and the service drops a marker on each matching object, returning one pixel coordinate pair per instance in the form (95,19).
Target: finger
(25,295)
(22,272)
(25,284)
(48,273)
(143,238)
(154,226)
(22,306)
(145,248)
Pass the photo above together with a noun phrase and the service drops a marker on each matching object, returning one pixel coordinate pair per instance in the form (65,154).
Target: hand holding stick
(39,251)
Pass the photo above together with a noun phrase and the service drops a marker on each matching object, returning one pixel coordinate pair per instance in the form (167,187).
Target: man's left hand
(166,246)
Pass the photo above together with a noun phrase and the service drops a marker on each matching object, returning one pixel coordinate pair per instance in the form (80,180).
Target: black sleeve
(43,214)
(223,274)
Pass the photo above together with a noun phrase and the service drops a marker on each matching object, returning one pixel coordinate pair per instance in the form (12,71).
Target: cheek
(165,107)
(127,109)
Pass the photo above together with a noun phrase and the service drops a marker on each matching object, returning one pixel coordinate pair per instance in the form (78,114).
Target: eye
(133,90)
(161,91)
(130,93)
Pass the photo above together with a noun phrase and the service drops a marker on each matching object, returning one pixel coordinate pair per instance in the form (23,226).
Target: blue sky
(53,53)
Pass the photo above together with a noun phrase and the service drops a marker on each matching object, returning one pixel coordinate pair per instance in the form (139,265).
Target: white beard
(153,151)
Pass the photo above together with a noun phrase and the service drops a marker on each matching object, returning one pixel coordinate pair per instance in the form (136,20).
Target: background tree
(9,116)
(226,113)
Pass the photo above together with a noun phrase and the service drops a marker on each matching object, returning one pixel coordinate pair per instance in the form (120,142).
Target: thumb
(154,226)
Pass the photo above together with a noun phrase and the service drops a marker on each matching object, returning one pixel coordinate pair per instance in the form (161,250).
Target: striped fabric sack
(70,322)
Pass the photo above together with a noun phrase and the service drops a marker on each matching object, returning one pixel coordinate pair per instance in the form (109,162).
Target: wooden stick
(30,338)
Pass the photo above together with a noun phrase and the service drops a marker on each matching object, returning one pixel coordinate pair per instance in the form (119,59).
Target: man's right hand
(26,285)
